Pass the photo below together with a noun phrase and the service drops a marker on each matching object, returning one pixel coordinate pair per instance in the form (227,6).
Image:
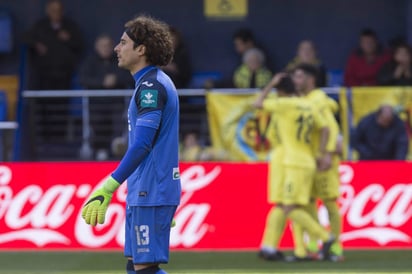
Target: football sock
(297,232)
(149,270)
(130,267)
(335,220)
(312,209)
(275,225)
(301,217)
(334,217)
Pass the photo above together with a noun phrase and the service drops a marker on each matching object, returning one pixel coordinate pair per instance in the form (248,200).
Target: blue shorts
(148,233)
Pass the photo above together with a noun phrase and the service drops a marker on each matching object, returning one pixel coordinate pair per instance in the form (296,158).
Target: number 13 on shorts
(142,234)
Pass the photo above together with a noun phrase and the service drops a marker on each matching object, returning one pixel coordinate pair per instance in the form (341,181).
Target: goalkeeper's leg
(147,238)
(130,266)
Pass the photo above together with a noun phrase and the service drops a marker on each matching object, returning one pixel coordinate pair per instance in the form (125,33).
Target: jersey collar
(138,75)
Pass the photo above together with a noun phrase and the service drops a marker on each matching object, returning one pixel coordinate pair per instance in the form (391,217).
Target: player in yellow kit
(326,184)
(295,120)
(276,219)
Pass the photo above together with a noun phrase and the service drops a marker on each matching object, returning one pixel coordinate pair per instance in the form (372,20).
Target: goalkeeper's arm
(94,210)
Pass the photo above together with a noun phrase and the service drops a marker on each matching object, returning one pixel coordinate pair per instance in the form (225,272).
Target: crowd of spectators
(56,50)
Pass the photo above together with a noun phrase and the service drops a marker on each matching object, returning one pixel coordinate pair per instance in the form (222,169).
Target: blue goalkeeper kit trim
(150,164)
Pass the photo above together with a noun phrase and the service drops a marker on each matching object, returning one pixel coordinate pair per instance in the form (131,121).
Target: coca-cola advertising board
(223,206)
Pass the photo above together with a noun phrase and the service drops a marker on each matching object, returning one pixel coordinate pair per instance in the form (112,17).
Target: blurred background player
(153,180)
(326,182)
(276,219)
(295,119)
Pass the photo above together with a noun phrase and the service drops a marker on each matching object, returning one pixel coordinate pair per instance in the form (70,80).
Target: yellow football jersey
(326,107)
(295,119)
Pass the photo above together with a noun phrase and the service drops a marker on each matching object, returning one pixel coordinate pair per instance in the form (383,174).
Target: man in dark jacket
(381,135)
(100,71)
(55,45)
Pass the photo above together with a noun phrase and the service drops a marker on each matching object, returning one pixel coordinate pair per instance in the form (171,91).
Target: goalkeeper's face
(128,55)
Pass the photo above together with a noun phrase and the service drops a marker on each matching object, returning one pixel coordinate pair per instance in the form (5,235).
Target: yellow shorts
(326,183)
(276,177)
(297,185)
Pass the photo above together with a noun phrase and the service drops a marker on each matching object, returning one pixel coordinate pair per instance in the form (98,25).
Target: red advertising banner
(223,206)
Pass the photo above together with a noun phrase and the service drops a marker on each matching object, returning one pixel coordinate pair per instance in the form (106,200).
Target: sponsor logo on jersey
(148,98)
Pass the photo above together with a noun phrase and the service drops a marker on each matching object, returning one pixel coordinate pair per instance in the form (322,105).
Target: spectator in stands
(55,44)
(381,135)
(253,72)
(398,71)
(365,62)
(306,54)
(191,148)
(243,40)
(100,71)
(180,69)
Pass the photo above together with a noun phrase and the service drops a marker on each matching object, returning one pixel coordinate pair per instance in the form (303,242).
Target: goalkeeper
(150,164)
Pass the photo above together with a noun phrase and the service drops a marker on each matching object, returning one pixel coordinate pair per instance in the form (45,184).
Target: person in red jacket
(365,62)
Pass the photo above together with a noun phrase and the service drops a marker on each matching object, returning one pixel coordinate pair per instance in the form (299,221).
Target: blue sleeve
(146,127)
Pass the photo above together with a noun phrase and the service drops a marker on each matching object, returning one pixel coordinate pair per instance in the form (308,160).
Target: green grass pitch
(392,261)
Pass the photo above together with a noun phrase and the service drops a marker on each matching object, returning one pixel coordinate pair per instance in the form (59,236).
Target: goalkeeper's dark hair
(286,85)
(155,36)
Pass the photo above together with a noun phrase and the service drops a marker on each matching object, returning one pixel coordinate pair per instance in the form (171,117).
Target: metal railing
(59,124)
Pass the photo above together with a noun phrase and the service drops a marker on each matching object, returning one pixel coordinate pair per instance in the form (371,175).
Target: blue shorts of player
(148,233)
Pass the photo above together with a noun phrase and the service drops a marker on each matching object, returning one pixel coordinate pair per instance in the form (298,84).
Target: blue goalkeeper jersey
(156,181)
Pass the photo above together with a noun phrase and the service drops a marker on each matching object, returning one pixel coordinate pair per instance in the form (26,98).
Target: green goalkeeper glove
(94,211)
